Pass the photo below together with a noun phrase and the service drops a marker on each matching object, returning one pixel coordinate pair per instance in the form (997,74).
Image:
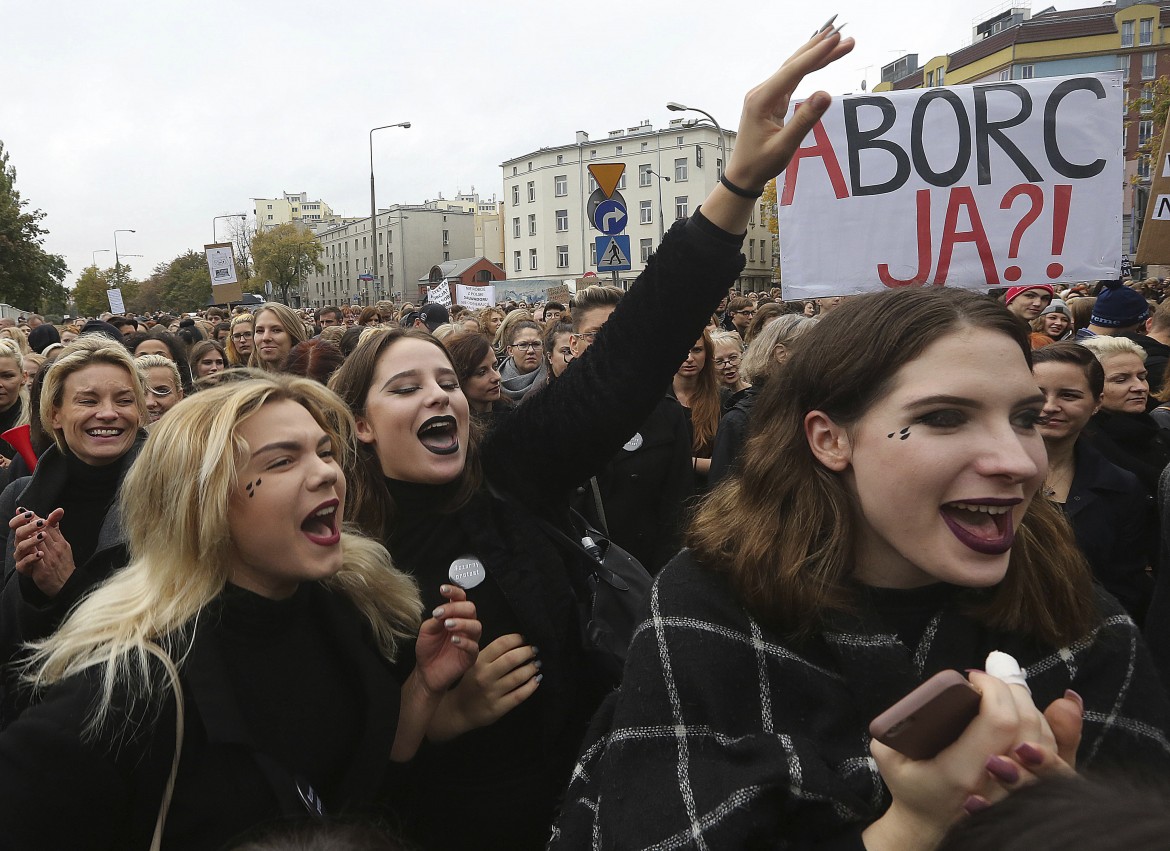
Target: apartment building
(547,237)
(292,207)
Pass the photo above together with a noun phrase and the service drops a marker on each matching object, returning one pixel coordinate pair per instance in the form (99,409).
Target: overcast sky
(159,116)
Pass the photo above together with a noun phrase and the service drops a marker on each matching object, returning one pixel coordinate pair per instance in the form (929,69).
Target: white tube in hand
(1005,668)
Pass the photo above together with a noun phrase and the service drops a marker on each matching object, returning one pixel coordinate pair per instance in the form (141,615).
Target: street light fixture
(214,219)
(405,125)
(661,220)
(96,252)
(117,258)
(674,106)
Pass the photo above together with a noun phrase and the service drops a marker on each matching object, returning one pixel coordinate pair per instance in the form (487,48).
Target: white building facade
(668,173)
(410,240)
(293,207)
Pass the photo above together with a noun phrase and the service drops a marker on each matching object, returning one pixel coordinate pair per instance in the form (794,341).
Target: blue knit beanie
(1118,306)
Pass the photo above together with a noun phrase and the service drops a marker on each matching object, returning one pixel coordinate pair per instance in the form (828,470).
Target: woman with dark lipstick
(884,525)
(438,498)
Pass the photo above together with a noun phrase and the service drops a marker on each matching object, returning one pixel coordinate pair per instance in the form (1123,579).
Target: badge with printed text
(467,572)
(634,443)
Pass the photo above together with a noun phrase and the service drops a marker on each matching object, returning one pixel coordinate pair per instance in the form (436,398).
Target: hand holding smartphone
(930,718)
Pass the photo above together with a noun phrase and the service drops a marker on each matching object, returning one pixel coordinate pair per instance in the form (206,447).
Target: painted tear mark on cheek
(251,488)
(902,435)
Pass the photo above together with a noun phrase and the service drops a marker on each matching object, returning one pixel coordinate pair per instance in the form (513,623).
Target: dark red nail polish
(1002,769)
(1030,754)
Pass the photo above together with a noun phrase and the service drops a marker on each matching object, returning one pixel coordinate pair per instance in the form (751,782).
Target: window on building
(645,213)
(269,207)
(562,221)
(647,247)
(1143,167)
(680,170)
(592,184)
(514,171)
(560,159)
(644,175)
(942,79)
(446,237)
(645,146)
(718,168)
(1127,33)
(593,154)
(379,237)
(929,79)
(617,152)
(562,257)
(679,140)
(1027,72)
(516,228)
(1146,32)
(446,255)
(532,263)
(516,195)
(532,224)
(531,190)
(516,258)
(1149,66)
(622,181)
(681,207)
(270,217)
(1147,104)
(561,185)
(1145,131)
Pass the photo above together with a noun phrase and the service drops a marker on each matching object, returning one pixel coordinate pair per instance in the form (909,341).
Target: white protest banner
(475,298)
(116,304)
(967,186)
(439,294)
(221,263)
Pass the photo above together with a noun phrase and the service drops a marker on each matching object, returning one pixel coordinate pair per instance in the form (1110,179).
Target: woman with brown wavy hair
(885,525)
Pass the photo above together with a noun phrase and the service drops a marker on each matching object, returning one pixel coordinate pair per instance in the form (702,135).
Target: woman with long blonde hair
(239,342)
(238,670)
(276,329)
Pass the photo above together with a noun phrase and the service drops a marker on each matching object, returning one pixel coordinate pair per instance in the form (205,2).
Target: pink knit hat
(1012,292)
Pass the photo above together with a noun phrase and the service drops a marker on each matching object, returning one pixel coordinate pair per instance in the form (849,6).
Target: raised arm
(566,432)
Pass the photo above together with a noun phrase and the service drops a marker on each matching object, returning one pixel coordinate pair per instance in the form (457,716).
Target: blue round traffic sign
(610,217)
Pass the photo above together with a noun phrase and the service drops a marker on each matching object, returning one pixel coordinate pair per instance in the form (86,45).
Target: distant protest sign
(221,265)
(439,294)
(116,304)
(980,186)
(475,298)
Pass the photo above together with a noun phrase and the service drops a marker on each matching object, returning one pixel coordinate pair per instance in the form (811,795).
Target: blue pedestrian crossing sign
(610,217)
(613,253)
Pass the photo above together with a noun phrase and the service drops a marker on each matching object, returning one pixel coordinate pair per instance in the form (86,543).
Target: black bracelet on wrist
(736,190)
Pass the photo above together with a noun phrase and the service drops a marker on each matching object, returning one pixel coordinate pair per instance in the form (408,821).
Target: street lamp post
(661,220)
(117,258)
(96,252)
(214,219)
(405,125)
(674,106)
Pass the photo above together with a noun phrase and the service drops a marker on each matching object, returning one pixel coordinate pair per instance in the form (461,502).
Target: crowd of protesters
(277,577)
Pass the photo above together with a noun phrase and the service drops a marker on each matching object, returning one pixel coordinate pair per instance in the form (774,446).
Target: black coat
(732,434)
(645,486)
(25,613)
(1111,515)
(61,790)
(520,765)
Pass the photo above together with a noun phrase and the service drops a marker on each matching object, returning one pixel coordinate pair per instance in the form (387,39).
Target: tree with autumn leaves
(285,255)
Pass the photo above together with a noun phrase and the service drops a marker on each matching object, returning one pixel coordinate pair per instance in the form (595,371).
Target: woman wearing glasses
(239,345)
(728,353)
(61,531)
(523,372)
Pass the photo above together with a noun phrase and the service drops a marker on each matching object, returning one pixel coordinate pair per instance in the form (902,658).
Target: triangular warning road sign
(607,176)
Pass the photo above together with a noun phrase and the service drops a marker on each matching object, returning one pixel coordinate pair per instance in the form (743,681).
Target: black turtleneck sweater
(87,500)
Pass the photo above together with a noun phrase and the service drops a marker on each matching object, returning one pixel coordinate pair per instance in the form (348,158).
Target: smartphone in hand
(930,718)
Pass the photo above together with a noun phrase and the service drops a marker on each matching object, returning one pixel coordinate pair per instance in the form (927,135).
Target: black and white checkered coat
(725,737)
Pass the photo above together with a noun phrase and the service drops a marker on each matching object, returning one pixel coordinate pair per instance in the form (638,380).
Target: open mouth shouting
(322,526)
(984,525)
(440,435)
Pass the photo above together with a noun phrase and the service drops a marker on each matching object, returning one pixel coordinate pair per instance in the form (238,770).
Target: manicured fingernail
(438,613)
(538,664)
(455,639)
(27,515)
(444,589)
(836,30)
(40,523)
(1030,754)
(1002,769)
(539,677)
(40,535)
(975,804)
(535,649)
(1075,698)
(827,24)
(449,623)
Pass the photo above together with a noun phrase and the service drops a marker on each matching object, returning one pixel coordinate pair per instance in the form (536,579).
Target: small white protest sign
(475,298)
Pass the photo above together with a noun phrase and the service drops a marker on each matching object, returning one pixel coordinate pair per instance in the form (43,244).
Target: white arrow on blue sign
(613,253)
(610,217)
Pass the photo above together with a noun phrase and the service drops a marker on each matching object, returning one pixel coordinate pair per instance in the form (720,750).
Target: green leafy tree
(29,276)
(89,293)
(285,255)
